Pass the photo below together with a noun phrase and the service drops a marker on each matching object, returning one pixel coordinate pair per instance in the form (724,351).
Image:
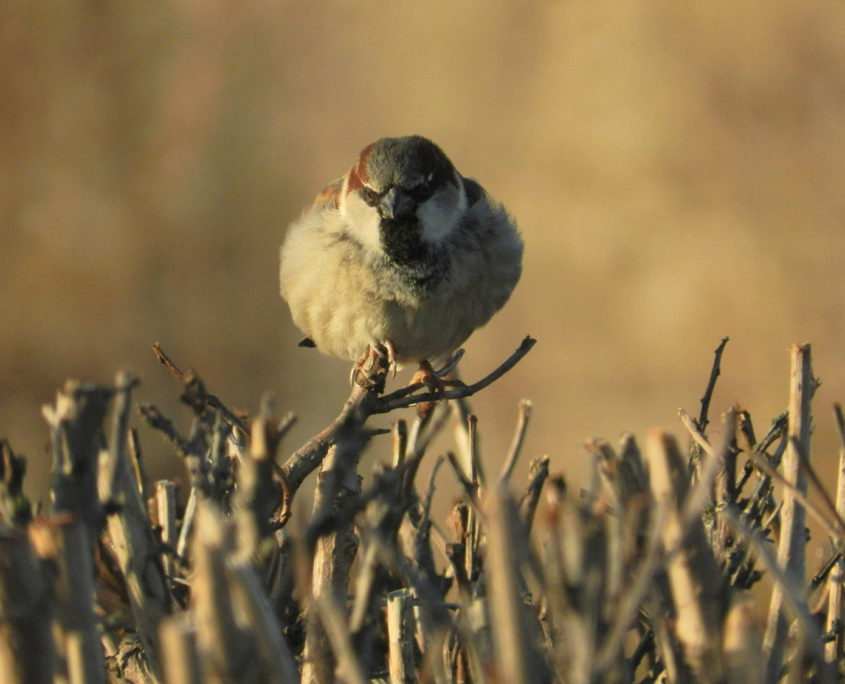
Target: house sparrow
(402,255)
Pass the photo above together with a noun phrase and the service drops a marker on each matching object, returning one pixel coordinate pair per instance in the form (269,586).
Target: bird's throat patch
(403,243)
(419,262)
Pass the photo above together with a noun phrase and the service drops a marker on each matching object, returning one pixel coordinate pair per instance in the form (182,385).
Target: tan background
(677,171)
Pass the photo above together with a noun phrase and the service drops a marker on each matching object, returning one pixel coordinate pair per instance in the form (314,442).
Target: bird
(401,257)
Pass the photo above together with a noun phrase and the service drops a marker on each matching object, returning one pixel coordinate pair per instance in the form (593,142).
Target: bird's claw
(391,357)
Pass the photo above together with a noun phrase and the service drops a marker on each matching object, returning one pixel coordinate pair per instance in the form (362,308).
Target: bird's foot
(432,381)
(425,375)
(370,371)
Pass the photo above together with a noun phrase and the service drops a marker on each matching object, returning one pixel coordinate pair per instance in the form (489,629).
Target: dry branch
(518,657)
(26,648)
(790,555)
(63,542)
(643,578)
(715,371)
(691,567)
(130,535)
(834,623)
(400,629)
(365,401)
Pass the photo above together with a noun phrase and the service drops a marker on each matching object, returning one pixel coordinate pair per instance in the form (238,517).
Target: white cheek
(439,215)
(362,221)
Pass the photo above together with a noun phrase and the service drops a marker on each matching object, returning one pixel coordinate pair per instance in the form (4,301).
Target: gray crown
(406,163)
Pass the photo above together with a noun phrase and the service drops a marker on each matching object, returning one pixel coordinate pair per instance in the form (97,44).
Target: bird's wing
(330,195)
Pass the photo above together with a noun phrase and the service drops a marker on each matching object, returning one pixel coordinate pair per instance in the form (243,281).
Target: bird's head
(402,195)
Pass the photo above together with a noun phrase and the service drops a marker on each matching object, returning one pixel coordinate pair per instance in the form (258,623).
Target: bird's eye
(422,191)
(370,196)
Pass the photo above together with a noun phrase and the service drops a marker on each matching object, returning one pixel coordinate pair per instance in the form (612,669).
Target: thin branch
(538,471)
(196,394)
(695,432)
(306,459)
(525,408)
(399,399)
(158,421)
(711,385)
(441,373)
(791,590)
(132,540)
(835,648)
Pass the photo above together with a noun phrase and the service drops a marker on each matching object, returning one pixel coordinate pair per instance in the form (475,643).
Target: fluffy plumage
(402,251)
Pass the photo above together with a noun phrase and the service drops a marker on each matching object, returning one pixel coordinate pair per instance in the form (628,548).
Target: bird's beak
(397,205)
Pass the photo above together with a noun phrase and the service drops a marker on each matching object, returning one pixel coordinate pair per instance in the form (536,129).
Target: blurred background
(677,171)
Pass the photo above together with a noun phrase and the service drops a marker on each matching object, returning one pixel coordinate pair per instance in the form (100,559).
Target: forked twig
(196,394)
(364,402)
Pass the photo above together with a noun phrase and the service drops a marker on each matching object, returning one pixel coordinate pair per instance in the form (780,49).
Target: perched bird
(402,256)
